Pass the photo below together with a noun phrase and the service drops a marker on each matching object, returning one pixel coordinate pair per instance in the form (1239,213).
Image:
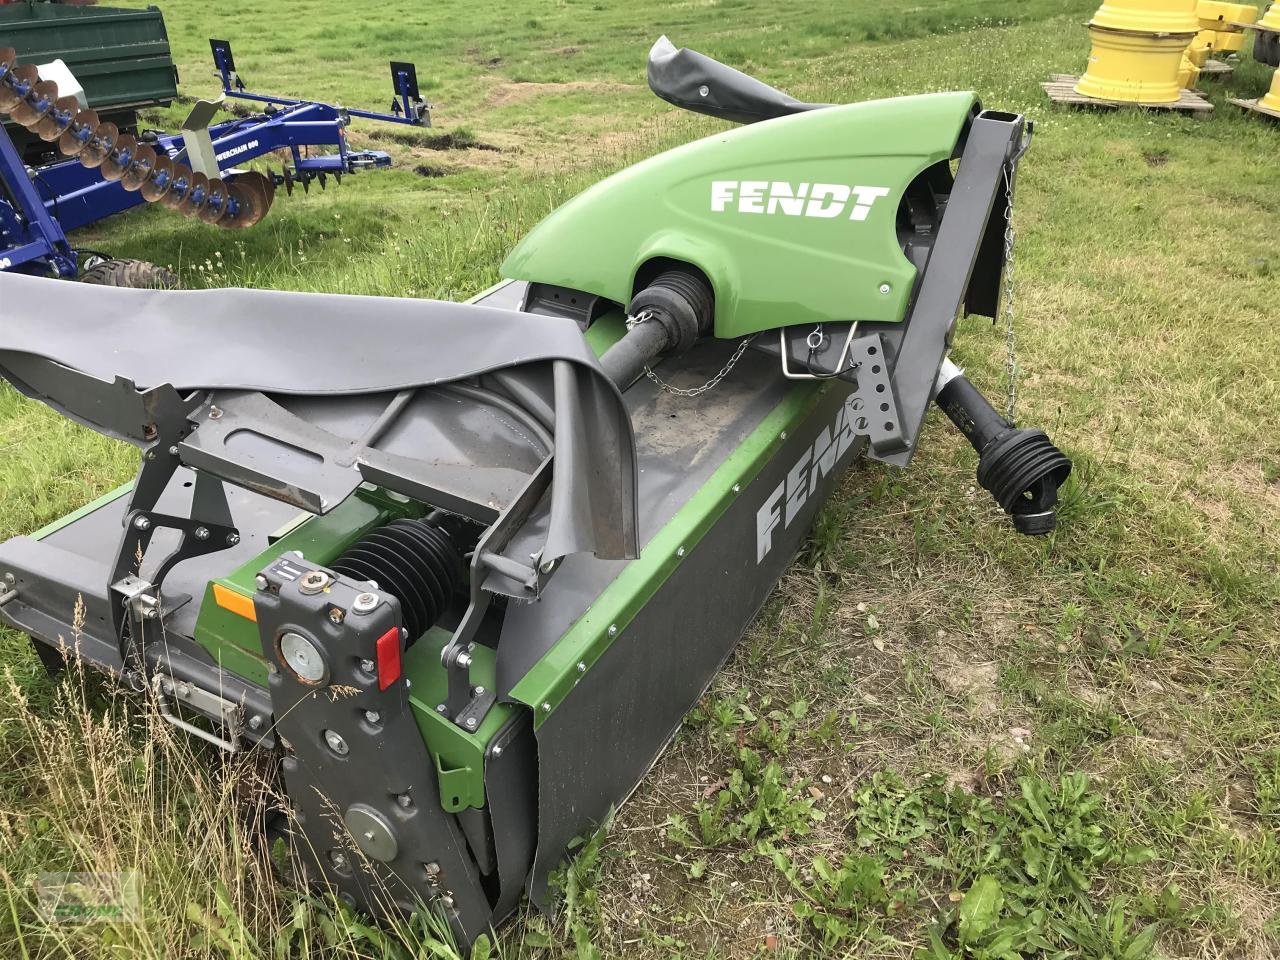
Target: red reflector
(388,658)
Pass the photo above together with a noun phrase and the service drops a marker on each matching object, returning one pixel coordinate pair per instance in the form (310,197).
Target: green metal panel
(552,678)
(121,57)
(794,221)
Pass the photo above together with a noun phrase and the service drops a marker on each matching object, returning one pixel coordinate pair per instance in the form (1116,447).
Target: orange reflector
(237,603)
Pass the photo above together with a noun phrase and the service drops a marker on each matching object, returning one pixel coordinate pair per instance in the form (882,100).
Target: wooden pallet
(1216,68)
(1256,107)
(1060,88)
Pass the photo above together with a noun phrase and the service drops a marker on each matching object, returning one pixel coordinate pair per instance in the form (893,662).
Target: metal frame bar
(39,236)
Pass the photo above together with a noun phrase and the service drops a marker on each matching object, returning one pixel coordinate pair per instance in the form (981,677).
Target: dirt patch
(427,170)
(566,51)
(1155,158)
(506,93)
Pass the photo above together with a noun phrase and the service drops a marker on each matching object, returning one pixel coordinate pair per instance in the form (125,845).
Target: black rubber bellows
(414,561)
(1021,468)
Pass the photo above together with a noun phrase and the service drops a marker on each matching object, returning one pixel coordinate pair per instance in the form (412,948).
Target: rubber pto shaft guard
(682,303)
(1020,468)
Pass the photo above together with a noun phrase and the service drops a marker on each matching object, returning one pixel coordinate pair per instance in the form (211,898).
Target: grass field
(939,740)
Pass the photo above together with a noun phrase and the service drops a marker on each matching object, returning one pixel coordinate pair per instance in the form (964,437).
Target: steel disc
(160,180)
(70,143)
(252,195)
(32,108)
(113,167)
(180,188)
(8,57)
(100,145)
(196,196)
(58,119)
(9,96)
(139,170)
(215,208)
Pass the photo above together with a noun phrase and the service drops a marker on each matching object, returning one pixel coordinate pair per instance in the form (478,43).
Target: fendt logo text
(826,201)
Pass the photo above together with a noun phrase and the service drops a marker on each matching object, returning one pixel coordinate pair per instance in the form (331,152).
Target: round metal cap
(372,832)
(303,658)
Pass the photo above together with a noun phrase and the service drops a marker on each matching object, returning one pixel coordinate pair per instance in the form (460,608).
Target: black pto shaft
(1021,468)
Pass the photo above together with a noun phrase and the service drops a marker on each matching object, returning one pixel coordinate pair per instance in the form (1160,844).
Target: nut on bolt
(365,603)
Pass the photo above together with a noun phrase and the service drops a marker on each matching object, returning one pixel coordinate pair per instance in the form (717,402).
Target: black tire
(136,274)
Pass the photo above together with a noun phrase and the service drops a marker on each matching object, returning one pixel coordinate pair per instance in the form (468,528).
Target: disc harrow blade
(30,110)
(139,169)
(160,182)
(195,200)
(74,138)
(253,199)
(118,160)
(215,207)
(17,84)
(100,145)
(180,189)
(57,120)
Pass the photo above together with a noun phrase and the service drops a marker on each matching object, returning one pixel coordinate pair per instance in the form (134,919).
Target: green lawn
(939,739)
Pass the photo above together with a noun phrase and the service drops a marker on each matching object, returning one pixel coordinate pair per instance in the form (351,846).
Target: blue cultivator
(194,172)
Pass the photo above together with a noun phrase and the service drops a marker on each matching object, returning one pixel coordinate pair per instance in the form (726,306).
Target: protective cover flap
(680,76)
(336,346)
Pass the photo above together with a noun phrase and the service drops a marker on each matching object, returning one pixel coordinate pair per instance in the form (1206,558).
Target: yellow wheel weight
(1148,16)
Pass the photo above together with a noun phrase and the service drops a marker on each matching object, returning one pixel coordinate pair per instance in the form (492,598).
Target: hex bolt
(336,743)
(365,603)
(405,801)
(478,691)
(496,751)
(470,723)
(782,435)
(260,582)
(546,706)
(463,660)
(582,667)
(613,629)
(432,868)
(442,709)
(680,551)
(173,450)
(202,533)
(885,289)
(737,488)
(338,859)
(215,413)
(335,614)
(255,722)
(142,523)
(368,666)
(373,716)
(233,539)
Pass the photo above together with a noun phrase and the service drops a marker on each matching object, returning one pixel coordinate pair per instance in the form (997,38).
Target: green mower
(464,567)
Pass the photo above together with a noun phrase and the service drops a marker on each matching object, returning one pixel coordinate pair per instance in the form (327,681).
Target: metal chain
(710,384)
(1010,337)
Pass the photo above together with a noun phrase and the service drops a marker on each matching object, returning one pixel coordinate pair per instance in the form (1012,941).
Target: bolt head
(783,435)
(442,709)
(404,801)
(365,603)
(680,552)
(471,723)
(202,533)
(704,91)
(496,751)
(173,450)
(582,667)
(737,488)
(546,706)
(368,666)
(233,539)
(613,629)
(885,289)
(255,722)
(260,582)
(373,716)
(478,691)
(142,523)
(336,743)
(432,868)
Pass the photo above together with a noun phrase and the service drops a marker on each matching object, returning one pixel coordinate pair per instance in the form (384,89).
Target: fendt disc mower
(464,567)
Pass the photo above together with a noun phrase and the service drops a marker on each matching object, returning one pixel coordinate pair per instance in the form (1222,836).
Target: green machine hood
(793,220)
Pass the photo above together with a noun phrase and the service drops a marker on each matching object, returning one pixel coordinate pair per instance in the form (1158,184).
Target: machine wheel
(137,274)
